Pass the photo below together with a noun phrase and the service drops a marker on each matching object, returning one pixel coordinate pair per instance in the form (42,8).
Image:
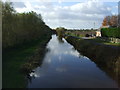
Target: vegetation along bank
(25,36)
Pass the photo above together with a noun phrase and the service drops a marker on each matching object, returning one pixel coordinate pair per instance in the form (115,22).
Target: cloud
(27,7)
(60,1)
(19,5)
(78,14)
(91,7)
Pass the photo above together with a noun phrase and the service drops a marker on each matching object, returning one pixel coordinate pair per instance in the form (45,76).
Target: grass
(14,58)
(114,44)
(98,40)
(73,34)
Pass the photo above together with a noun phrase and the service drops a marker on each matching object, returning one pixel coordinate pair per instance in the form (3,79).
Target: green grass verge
(114,44)
(13,59)
(73,34)
(98,40)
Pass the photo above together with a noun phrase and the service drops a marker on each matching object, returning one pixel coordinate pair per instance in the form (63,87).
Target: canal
(65,67)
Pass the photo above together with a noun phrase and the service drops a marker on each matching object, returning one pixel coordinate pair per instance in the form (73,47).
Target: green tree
(60,31)
(19,28)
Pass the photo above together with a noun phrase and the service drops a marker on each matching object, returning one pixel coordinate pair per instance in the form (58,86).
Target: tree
(19,28)
(7,23)
(106,21)
(111,21)
(114,21)
(60,31)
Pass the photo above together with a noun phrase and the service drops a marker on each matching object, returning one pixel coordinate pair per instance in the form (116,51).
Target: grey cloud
(74,16)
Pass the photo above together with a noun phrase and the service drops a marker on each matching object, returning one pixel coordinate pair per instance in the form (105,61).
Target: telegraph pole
(94,25)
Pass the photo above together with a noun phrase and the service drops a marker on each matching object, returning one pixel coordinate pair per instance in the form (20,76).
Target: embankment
(107,58)
(20,60)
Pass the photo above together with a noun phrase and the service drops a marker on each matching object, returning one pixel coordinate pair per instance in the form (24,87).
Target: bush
(110,32)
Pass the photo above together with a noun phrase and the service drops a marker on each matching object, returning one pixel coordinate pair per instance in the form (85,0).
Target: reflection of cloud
(34,75)
(61,69)
(74,53)
(59,49)
(55,56)
(60,58)
(49,60)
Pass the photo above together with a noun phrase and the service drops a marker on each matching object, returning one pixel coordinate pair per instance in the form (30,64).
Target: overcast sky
(77,14)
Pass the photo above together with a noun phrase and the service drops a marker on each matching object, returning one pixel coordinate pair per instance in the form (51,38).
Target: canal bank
(20,60)
(106,57)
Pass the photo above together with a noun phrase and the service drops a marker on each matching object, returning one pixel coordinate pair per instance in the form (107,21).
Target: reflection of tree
(60,31)
(60,39)
(29,78)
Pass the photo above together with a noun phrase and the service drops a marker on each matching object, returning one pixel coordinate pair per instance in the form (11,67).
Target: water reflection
(60,39)
(64,67)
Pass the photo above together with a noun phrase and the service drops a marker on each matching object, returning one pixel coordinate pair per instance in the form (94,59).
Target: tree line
(18,28)
(111,21)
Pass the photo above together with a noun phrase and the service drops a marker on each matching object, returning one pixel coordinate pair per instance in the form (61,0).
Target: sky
(71,14)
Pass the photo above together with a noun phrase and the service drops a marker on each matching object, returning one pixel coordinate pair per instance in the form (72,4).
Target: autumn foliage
(111,21)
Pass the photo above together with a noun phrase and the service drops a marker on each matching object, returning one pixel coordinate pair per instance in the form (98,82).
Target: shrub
(110,32)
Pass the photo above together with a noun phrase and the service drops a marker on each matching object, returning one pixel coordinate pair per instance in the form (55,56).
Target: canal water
(64,67)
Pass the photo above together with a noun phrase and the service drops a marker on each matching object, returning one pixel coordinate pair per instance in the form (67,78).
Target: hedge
(110,32)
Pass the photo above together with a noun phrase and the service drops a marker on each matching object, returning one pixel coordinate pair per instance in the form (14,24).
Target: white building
(98,32)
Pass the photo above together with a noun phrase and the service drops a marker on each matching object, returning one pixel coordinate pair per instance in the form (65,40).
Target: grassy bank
(96,39)
(15,59)
(102,41)
(105,57)
(80,33)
